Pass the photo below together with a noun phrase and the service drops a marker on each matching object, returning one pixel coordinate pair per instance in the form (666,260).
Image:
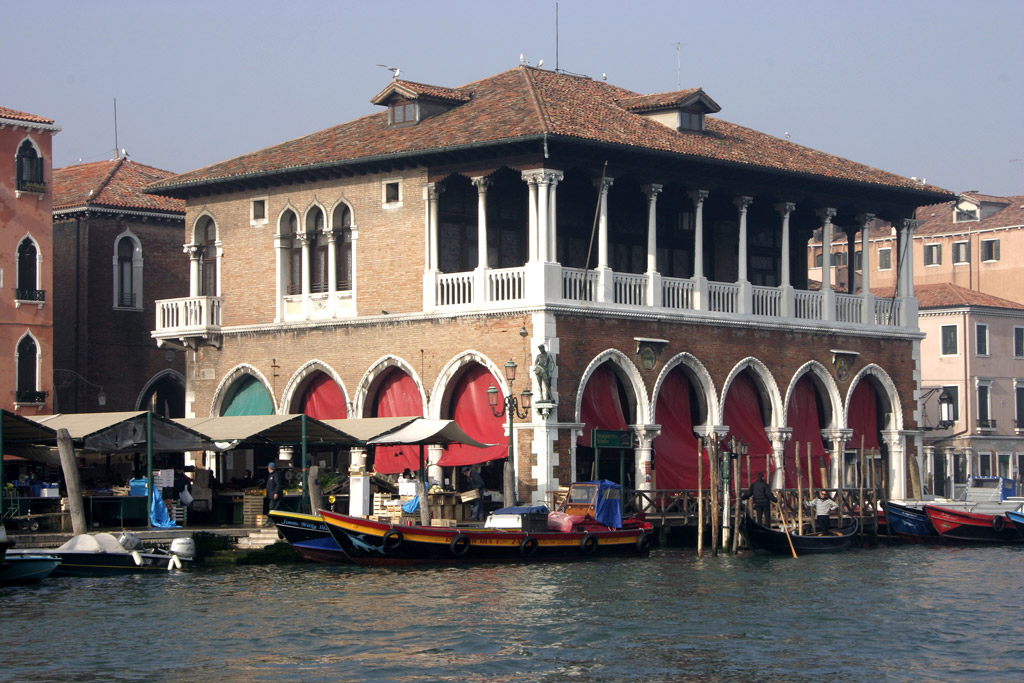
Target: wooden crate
(252,506)
(448,523)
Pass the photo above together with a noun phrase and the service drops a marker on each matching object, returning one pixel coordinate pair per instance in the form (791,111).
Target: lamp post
(511,407)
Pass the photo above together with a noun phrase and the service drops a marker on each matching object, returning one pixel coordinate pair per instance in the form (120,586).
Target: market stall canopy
(27,439)
(366,428)
(124,432)
(427,432)
(278,430)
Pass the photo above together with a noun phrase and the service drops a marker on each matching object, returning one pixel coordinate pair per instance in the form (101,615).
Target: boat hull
(102,564)
(1018,521)
(18,569)
(768,540)
(910,524)
(377,543)
(309,537)
(973,527)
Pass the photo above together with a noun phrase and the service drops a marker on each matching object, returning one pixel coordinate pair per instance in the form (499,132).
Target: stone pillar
(554,177)
(646,435)
(779,437)
(868,307)
(531,179)
(195,253)
(480,294)
(827,295)
(787,308)
(304,240)
(897,464)
(332,272)
(908,304)
(700,283)
(606,286)
(431,192)
(746,298)
(653,280)
(838,439)
(359,484)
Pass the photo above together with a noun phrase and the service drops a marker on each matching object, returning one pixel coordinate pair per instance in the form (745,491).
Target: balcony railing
(191,315)
(986,423)
(579,284)
(849,307)
(126,299)
(630,289)
(506,284)
(767,301)
(30,294)
(809,305)
(26,396)
(723,297)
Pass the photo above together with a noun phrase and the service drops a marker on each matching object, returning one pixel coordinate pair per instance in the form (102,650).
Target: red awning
(323,399)
(601,408)
(675,449)
(472,412)
(743,415)
(802,417)
(397,397)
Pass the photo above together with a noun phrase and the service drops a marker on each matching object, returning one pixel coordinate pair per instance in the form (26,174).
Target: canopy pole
(422,490)
(67,462)
(305,505)
(2,467)
(149,469)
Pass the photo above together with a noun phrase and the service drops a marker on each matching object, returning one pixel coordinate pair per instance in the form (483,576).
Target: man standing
(822,506)
(476,482)
(275,488)
(763,498)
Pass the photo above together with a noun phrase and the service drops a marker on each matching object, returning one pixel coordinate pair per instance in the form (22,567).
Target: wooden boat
(104,554)
(18,569)
(910,523)
(309,536)
(1016,517)
(977,527)
(589,525)
(763,538)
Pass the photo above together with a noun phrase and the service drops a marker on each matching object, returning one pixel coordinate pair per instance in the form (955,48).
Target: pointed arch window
(342,224)
(318,268)
(30,168)
(27,359)
(127,273)
(28,272)
(207,237)
(290,227)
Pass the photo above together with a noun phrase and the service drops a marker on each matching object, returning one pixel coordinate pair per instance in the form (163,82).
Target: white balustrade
(724,297)
(506,284)
(808,305)
(630,289)
(579,284)
(454,289)
(767,301)
(677,293)
(887,312)
(189,313)
(848,308)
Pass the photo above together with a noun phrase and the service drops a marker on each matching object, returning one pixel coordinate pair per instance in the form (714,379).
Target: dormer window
(691,120)
(403,113)
(963,215)
(681,110)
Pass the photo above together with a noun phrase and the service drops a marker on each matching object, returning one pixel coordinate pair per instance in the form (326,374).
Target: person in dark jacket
(275,488)
(476,482)
(763,498)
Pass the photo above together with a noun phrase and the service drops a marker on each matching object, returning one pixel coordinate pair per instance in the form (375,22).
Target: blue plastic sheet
(412,506)
(158,516)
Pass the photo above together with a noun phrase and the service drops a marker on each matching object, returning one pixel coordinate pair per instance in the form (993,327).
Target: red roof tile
(117,183)
(947,295)
(936,219)
(6,113)
(412,89)
(527,102)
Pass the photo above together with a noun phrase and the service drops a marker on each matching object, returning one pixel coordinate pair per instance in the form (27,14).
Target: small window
(258,215)
(690,120)
(932,254)
(963,215)
(981,339)
(403,112)
(949,345)
(126,285)
(817,258)
(885,259)
(839,258)
(392,192)
(990,250)
(30,168)
(858,260)
(961,252)
(1018,342)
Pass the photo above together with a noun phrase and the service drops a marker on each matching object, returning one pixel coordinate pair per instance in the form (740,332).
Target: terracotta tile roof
(411,89)
(6,113)
(936,219)
(117,183)
(947,295)
(662,100)
(526,103)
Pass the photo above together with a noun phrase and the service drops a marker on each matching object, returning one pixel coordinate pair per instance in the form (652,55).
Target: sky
(932,89)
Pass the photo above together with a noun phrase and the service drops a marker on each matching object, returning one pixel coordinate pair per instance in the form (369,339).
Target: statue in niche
(543,366)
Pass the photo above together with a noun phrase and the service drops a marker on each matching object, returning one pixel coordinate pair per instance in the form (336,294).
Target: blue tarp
(412,506)
(608,510)
(158,516)
(522,510)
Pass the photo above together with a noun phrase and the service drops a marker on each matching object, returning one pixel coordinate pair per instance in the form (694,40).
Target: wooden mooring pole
(700,497)
(716,530)
(736,517)
(799,493)
(860,491)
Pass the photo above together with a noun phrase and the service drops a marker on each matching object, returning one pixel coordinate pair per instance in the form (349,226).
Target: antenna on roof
(556,36)
(678,76)
(115,129)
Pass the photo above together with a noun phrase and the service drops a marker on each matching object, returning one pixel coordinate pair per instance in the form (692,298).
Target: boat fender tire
(392,539)
(588,544)
(643,542)
(459,545)
(528,546)
(998,523)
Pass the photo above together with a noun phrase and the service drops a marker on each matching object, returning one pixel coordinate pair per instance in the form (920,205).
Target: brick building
(26,264)
(119,250)
(392,265)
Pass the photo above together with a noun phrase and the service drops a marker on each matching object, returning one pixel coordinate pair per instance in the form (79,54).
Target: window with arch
(318,268)
(206,237)
(30,168)
(27,288)
(27,359)
(342,225)
(290,228)
(127,273)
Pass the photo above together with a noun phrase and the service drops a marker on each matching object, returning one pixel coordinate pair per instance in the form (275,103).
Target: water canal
(900,614)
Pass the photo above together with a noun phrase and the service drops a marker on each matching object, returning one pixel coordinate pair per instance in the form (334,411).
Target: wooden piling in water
(799,493)
(700,497)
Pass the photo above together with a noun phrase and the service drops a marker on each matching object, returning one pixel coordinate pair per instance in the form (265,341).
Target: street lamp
(945,410)
(511,407)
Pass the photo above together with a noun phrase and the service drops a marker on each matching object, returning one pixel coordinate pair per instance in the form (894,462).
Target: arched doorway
(395,395)
(247,396)
(866,416)
(678,408)
(165,397)
(468,406)
(806,416)
(747,411)
(605,406)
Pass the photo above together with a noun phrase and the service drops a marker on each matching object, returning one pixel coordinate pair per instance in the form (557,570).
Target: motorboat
(103,554)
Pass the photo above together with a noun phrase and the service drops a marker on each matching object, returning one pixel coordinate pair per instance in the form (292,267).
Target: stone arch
(440,395)
(201,220)
(826,386)
(765,381)
(880,379)
(626,371)
(699,377)
(238,372)
(371,378)
(165,376)
(296,383)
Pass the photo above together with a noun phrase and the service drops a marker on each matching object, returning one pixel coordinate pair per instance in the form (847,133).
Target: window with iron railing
(30,294)
(986,423)
(25,396)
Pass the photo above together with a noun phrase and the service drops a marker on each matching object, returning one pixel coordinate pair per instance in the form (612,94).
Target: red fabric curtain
(471,412)
(743,416)
(601,407)
(802,417)
(323,399)
(863,418)
(675,449)
(397,397)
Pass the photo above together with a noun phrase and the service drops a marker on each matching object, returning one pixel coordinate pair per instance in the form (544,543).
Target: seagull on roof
(395,71)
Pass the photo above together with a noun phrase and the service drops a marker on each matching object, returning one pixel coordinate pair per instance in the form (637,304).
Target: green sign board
(612,438)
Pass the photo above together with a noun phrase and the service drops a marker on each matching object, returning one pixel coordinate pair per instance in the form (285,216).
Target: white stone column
(894,440)
(908,304)
(779,436)
(787,308)
(827,296)
(839,438)
(480,294)
(746,298)
(431,191)
(554,177)
(543,214)
(605,277)
(653,277)
(646,434)
(332,273)
(195,253)
(305,240)
(531,179)
(868,307)
(700,283)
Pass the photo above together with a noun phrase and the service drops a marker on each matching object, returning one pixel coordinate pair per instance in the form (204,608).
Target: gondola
(588,525)
(309,536)
(762,538)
